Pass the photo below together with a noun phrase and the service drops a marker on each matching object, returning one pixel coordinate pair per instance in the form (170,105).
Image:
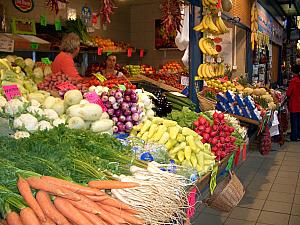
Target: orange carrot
(115,203)
(70,212)
(49,209)
(28,217)
(132,211)
(48,222)
(25,191)
(97,198)
(111,184)
(96,220)
(87,205)
(37,183)
(13,218)
(121,213)
(77,188)
(110,218)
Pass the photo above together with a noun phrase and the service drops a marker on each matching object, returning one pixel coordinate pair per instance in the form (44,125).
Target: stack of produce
(133,70)
(224,85)
(171,67)
(185,117)
(179,101)
(108,44)
(147,70)
(115,82)
(184,145)
(208,71)
(217,133)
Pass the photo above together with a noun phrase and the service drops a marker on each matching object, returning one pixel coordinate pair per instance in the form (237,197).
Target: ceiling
(282,8)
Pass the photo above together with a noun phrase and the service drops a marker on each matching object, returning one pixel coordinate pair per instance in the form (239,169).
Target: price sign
(129,52)
(213,179)
(244,152)
(99,51)
(141,53)
(34,45)
(219,5)
(46,61)
(57,25)
(230,163)
(43,21)
(93,97)
(66,86)
(6,44)
(185,80)
(219,60)
(122,87)
(11,91)
(237,157)
(192,203)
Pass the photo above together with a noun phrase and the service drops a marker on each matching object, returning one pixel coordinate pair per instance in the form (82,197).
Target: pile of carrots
(62,202)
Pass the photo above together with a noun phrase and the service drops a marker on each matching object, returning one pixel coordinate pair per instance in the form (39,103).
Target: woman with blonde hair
(64,62)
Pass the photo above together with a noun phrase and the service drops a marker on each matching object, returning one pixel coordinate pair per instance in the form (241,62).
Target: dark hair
(296,69)
(109,55)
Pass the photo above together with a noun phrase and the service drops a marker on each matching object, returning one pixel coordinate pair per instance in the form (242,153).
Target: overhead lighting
(289,9)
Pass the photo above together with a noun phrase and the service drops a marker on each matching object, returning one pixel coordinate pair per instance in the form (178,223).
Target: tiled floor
(272,191)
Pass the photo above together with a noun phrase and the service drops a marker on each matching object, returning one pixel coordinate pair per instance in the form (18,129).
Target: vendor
(64,62)
(110,64)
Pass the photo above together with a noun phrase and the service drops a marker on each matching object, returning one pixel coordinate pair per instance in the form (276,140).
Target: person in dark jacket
(293,94)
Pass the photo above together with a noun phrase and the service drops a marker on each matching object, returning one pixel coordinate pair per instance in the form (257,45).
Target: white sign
(185,80)
(6,44)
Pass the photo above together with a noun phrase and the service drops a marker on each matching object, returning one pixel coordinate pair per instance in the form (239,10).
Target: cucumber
(185,100)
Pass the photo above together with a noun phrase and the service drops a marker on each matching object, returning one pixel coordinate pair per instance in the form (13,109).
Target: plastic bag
(182,39)
(185,58)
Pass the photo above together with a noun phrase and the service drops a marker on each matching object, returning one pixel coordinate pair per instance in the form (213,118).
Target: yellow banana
(204,21)
(211,25)
(222,25)
(200,70)
(199,27)
(213,2)
(203,70)
(201,45)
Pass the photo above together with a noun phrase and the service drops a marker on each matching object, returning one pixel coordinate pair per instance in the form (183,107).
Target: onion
(110,112)
(113,92)
(118,113)
(104,98)
(134,98)
(115,119)
(122,118)
(128,126)
(128,118)
(104,94)
(135,123)
(112,99)
(128,92)
(118,95)
(133,109)
(135,117)
(120,100)
(121,127)
(127,112)
(115,105)
(115,129)
(108,104)
(127,98)
(124,106)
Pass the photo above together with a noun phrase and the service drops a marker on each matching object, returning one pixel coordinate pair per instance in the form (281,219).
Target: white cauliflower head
(50,114)
(21,134)
(27,121)
(58,121)
(3,101)
(35,110)
(34,102)
(44,125)
(14,107)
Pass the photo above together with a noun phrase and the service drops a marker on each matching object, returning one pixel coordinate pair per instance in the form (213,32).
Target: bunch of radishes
(216,132)
(123,109)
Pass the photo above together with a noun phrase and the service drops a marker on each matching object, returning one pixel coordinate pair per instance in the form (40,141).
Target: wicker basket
(227,194)
(205,103)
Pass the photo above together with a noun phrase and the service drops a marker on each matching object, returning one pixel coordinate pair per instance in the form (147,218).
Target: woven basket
(227,194)
(205,103)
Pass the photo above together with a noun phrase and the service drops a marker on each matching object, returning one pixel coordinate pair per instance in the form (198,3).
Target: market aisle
(273,191)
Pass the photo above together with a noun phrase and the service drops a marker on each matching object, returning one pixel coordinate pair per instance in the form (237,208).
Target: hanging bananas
(254,25)
(209,70)
(207,25)
(209,3)
(206,45)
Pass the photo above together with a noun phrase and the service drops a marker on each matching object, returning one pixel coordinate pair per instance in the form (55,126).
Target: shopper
(110,63)
(293,94)
(64,62)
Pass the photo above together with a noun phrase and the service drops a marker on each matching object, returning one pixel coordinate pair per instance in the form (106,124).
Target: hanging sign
(99,51)
(43,21)
(141,53)
(244,152)
(129,52)
(192,203)
(94,98)
(237,157)
(57,24)
(24,6)
(230,163)
(213,179)
(11,91)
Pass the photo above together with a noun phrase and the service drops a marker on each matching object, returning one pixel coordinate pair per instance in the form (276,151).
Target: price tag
(34,45)
(230,163)
(219,60)
(122,87)
(141,53)
(213,179)
(93,97)
(219,14)
(244,152)
(219,5)
(129,52)
(57,25)
(100,77)
(208,59)
(65,86)
(43,21)
(185,80)
(46,61)
(99,51)
(237,157)
(192,203)
(11,91)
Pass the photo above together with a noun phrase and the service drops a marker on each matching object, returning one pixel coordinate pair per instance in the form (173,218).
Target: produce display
(108,44)
(133,69)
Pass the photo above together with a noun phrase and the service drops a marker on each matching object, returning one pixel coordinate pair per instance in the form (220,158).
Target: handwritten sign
(141,53)
(43,21)
(213,179)
(65,86)
(6,44)
(57,25)
(34,45)
(129,52)
(46,61)
(185,80)
(93,97)
(11,91)
(192,203)
(99,51)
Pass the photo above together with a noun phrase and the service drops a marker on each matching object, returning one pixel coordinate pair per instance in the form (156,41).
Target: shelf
(246,120)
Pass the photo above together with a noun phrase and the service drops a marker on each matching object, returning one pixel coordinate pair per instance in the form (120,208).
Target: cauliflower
(35,110)
(21,134)
(14,107)
(58,121)
(50,114)
(34,102)
(2,101)
(27,121)
(84,101)
(44,125)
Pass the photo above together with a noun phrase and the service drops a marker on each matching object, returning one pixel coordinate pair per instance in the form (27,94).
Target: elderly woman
(64,62)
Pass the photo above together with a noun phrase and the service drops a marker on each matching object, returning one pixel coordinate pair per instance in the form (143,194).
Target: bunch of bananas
(254,24)
(207,46)
(209,70)
(207,24)
(209,3)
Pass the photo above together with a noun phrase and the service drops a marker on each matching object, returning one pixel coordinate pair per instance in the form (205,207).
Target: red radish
(221,116)
(201,127)
(222,140)
(202,121)
(208,130)
(205,136)
(213,133)
(214,141)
